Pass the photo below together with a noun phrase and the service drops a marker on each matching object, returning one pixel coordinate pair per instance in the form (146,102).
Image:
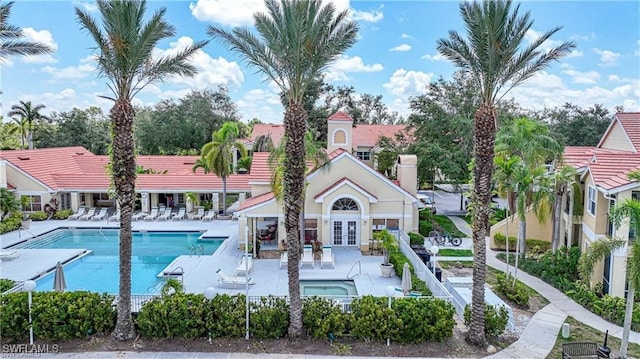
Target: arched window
(345,204)
(340,137)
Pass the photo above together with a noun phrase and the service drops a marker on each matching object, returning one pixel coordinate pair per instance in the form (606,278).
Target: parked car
(427,202)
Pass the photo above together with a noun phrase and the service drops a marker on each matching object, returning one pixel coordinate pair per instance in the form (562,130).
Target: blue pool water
(98,271)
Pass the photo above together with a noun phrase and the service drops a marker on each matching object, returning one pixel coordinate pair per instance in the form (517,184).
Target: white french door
(344,232)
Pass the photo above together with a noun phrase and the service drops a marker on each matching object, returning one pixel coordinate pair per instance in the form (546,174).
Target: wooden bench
(579,350)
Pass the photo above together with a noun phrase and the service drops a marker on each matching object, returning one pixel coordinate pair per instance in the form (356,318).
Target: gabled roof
(256,200)
(344,181)
(630,124)
(610,171)
(340,116)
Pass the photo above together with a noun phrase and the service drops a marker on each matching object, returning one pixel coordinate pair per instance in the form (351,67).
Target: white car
(427,202)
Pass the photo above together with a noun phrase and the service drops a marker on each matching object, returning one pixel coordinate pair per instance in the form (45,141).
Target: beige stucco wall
(258,189)
(23,182)
(535,229)
(617,139)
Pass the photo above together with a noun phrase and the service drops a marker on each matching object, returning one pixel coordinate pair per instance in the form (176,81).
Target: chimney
(407,170)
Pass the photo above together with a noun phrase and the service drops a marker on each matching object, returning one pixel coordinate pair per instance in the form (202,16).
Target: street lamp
(209,293)
(29,286)
(390,291)
(434,250)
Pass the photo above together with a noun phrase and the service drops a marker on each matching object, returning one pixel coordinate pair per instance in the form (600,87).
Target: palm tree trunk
(123,164)
(522,235)
(557,213)
(294,169)
(224,196)
(626,328)
(30,137)
(483,145)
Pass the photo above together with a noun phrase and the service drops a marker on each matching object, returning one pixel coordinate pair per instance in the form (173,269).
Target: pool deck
(200,270)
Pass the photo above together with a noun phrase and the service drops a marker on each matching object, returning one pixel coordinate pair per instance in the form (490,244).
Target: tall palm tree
(496,58)
(217,155)
(20,127)
(602,248)
(124,51)
(296,41)
(562,181)
(28,114)
(12,42)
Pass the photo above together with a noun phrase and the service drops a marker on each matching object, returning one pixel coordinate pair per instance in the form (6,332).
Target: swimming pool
(327,287)
(99,271)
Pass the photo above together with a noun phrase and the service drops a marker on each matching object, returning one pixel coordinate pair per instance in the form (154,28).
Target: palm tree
(597,251)
(217,155)
(12,40)
(562,180)
(8,203)
(124,53)
(297,40)
(496,58)
(21,127)
(28,114)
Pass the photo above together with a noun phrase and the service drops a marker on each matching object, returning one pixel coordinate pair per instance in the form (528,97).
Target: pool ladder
(349,276)
(195,249)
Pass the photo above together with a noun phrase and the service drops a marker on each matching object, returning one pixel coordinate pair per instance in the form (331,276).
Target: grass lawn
(583,333)
(443,221)
(448,252)
(448,264)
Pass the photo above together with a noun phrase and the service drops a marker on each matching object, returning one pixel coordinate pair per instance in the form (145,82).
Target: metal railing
(359,264)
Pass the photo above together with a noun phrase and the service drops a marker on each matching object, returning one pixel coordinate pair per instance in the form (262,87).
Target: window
(340,137)
(310,231)
(385,223)
(345,204)
(363,155)
(31,203)
(591,200)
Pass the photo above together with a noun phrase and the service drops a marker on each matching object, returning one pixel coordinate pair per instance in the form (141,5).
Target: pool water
(327,287)
(99,271)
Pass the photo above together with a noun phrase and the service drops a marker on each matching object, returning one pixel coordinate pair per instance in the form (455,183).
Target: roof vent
(23,158)
(79,153)
(594,159)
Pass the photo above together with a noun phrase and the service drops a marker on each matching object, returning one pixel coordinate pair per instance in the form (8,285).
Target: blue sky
(395,55)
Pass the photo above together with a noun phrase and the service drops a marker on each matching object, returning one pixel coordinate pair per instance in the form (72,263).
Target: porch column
(242,196)
(75,201)
(144,202)
(215,201)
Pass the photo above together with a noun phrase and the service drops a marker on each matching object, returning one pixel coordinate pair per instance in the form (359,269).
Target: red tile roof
(630,121)
(340,116)
(610,171)
(254,201)
(276,131)
(368,135)
(78,169)
(260,171)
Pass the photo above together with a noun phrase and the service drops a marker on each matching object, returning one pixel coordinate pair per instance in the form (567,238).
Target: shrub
(398,260)
(11,222)
(532,245)
(38,216)
(6,284)
(416,239)
(424,320)
(373,320)
(518,293)
(495,319)
(269,319)
(57,316)
(63,214)
(321,317)
(178,315)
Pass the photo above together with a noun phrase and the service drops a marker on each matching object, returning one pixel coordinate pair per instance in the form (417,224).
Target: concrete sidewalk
(555,297)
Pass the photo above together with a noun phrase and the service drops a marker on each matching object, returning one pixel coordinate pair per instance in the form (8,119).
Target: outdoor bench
(579,350)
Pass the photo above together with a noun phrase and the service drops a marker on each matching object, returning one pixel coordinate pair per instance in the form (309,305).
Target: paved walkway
(555,297)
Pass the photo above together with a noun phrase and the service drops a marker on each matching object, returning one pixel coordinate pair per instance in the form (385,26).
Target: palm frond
(596,252)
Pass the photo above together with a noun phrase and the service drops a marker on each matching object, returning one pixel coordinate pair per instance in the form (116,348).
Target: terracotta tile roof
(609,171)
(340,116)
(579,156)
(339,182)
(260,171)
(368,135)
(630,121)
(10,186)
(276,131)
(43,163)
(254,201)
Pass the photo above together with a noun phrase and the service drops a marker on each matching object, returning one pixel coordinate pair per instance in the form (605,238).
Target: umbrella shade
(406,278)
(59,284)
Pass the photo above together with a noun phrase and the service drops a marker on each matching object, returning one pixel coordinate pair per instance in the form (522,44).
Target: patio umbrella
(59,284)
(406,278)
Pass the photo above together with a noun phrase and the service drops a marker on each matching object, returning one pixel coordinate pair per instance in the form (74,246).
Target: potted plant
(389,244)
(26,221)
(25,201)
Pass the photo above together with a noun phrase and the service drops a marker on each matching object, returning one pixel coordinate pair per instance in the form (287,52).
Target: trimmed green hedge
(531,245)
(11,222)
(398,260)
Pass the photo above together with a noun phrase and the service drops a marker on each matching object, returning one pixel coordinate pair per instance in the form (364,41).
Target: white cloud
(607,57)
(368,16)
(405,83)
(87,6)
(401,48)
(575,53)
(225,12)
(583,37)
(345,64)
(86,67)
(211,71)
(614,78)
(263,104)
(43,37)
(436,57)
(588,77)
(406,36)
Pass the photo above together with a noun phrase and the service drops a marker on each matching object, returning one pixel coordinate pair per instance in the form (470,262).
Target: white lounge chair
(166,215)
(327,258)
(198,214)
(284,260)
(79,213)
(153,215)
(90,213)
(138,216)
(115,217)
(100,215)
(182,213)
(9,255)
(307,256)
(210,216)
(245,265)
(225,280)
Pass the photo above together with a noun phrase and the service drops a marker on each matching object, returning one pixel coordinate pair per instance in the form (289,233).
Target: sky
(395,55)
